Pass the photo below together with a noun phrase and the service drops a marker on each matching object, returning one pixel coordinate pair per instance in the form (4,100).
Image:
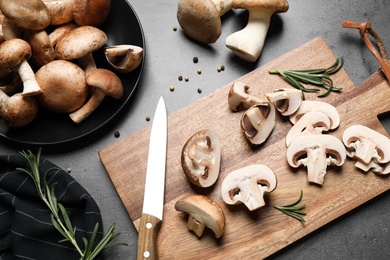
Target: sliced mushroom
(239,98)
(248,185)
(200,19)
(286,100)
(313,122)
(380,169)
(104,83)
(366,144)
(63,85)
(326,108)
(29,14)
(201,158)
(258,122)
(316,152)
(17,110)
(124,58)
(203,212)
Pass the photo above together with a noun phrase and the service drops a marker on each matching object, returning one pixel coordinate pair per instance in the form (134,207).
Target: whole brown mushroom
(91,12)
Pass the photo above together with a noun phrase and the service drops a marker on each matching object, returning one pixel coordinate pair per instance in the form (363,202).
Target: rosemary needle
(292,209)
(318,77)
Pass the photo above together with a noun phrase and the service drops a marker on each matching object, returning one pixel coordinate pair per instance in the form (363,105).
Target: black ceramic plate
(122,27)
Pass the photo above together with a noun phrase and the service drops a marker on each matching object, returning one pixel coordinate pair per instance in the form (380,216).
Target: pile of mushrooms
(200,20)
(46,52)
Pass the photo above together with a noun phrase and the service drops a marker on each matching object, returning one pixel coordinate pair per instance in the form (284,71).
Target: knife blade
(152,211)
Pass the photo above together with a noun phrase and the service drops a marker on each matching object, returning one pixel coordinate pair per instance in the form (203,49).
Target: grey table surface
(364,233)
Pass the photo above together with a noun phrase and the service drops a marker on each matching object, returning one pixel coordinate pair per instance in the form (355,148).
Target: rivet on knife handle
(148,229)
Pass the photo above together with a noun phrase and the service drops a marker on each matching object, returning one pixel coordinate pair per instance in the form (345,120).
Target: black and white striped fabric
(26,231)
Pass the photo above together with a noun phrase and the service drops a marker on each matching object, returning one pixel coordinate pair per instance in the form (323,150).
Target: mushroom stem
(316,164)
(251,193)
(86,110)
(248,42)
(195,225)
(223,6)
(30,85)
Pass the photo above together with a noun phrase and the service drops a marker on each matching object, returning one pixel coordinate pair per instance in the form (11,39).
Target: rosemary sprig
(293,210)
(318,77)
(60,218)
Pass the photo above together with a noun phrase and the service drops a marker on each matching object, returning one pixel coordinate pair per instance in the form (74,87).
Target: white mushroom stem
(316,163)
(87,109)
(223,6)
(30,85)
(251,193)
(248,42)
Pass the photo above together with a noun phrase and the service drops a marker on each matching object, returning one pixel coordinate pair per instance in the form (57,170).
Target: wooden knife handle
(147,237)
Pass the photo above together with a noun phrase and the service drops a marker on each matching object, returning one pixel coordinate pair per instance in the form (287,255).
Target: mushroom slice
(366,144)
(239,98)
(258,122)
(286,100)
(201,158)
(124,58)
(203,212)
(313,122)
(248,185)
(310,105)
(316,152)
(248,42)
(200,19)
(380,169)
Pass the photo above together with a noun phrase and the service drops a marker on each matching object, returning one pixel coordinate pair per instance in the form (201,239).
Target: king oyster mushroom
(258,121)
(316,152)
(201,158)
(248,185)
(202,212)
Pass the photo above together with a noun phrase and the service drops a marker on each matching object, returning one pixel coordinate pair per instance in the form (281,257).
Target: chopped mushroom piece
(239,98)
(258,122)
(201,158)
(248,185)
(200,19)
(313,122)
(104,83)
(324,107)
(203,212)
(124,58)
(286,100)
(248,42)
(316,152)
(368,146)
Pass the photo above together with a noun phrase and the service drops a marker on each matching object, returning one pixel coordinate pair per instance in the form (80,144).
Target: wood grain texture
(253,235)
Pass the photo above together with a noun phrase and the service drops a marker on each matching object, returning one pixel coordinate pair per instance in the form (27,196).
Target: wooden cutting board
(253,235)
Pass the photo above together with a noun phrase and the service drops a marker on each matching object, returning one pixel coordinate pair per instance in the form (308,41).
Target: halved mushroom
(311,105)
(200,19)
(124,58)
(313,122)
(203,212)
(286,100)
(17,110)
(248,185)
(316,152)
(239,98)
(366,145)
(258,122)
(201,158)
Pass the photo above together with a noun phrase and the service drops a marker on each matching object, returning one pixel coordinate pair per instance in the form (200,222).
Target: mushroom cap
(201,158)
(94,13)
(63,86)
(286,100)
(60,11)
(324,107)
(279,6)
(29,14)
(258,122)
(12,53)
(124,58)
(247,185)
(200,20)
(79,42)
(18,110)
(313,122)
(366,144)
(238,97)
(202,211)
(105,80)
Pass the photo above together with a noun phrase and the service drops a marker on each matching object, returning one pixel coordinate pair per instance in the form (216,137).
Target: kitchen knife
(152,211)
